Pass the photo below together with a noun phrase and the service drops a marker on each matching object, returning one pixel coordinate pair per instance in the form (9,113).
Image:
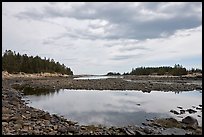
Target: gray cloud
(125,57)
(147,20)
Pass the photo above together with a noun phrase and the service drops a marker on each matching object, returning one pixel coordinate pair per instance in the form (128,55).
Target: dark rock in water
(138,104)
(190,121)
(174,111)
(200,105)
(198,88)
(173,131)
(179,107)
(182,111)
(198,115)
(198,108)
(191,111)
(146,90)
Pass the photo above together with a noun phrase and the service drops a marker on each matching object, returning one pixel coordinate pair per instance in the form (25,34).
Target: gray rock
(191,111)
(72,129)
(62,129)
(198,108)
(173,131)
(174,111)
(180,107)
(190,121)
(4,123)
(182,111)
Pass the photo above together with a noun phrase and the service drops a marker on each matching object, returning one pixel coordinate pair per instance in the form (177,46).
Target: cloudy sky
(95,38)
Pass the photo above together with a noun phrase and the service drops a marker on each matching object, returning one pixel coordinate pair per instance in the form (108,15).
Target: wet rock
(198,108)
(146,90)
(191,111)
(200,105)
(190,121)
(182,111)
(180,107)
(173,131)
(174,111)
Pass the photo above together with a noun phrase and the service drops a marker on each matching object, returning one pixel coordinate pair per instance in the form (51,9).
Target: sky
(102,37)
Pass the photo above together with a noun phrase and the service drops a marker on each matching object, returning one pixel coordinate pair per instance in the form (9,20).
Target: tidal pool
(116,107)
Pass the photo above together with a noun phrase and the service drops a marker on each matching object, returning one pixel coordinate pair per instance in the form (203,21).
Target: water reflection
(111,107)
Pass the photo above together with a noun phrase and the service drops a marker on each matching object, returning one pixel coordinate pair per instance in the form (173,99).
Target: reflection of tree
(27,90)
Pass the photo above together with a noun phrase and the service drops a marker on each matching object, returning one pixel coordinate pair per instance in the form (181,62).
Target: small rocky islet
(20,119)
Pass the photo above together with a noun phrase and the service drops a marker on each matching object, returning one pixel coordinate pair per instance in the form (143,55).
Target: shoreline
(18,118)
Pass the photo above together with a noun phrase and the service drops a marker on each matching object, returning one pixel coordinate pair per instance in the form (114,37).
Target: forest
(13,62)
(177,70)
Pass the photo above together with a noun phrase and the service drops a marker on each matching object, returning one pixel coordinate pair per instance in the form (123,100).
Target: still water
(98,77)
(116,107)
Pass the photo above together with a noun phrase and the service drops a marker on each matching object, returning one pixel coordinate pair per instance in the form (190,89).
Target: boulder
(191,111)
(174,111)
(173,131)
(190,121)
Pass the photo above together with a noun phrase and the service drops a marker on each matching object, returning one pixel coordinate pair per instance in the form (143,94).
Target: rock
(5,110)
(180,107)
(4,123)
(174,111)
(72,129)
(17,126)
(190,121)
(147,130)
(5,118)
(198,108)
(14,118)
(191,111)
(62,129)
(173,131)
(130,131)
(182,111)
(200,105)
(55,127)
(138,132)
(146,90)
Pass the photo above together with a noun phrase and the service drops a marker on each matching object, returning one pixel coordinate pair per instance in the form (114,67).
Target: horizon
(106,37)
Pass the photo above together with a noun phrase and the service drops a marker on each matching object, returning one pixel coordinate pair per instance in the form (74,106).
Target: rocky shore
(20,119)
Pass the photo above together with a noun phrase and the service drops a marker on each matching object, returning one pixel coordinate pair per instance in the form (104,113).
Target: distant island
(177,70)
(14,63)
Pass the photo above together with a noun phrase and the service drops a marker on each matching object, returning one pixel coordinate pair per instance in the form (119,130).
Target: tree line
(13,62)
(177,70)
